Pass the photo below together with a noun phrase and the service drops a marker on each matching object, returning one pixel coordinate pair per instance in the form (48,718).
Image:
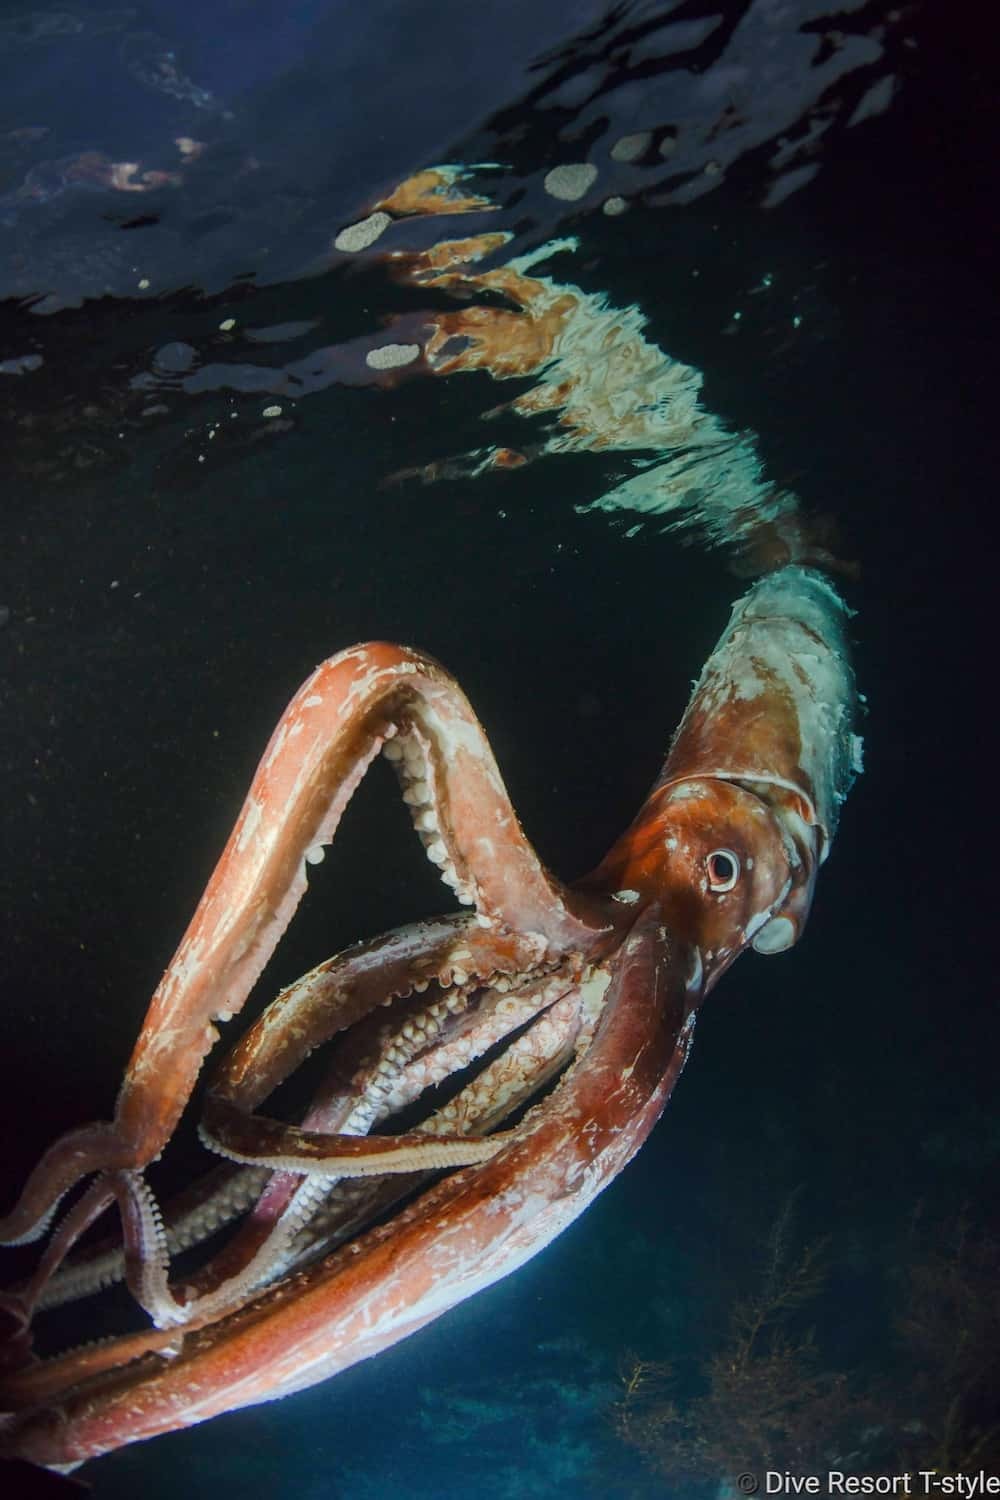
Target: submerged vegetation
(768,1397)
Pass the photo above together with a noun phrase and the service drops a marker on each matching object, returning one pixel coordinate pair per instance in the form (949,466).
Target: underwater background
(211,478)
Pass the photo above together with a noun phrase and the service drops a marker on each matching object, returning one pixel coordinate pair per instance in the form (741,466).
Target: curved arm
(467,1232)
(338,721)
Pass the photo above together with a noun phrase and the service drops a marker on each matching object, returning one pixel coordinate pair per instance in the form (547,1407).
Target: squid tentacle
(218,1198)
(335,995)
(145,1254)
(331,731)
(593,990)
(472,1227)
(509,1080)
(417,1050)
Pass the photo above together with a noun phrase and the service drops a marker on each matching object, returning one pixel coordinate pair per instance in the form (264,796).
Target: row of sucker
(560,1019)
(502,1085)
(408,754)
(150,1286)
(420,1052)
(370,1087)
(507,1002)
(416,1054)
(395,1046)
(95,1272)
(507,1082)
(146,1264)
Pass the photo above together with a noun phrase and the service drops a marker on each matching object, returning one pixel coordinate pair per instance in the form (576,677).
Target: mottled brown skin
(665,855)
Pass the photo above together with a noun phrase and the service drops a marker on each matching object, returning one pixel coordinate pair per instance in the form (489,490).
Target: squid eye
(723,870)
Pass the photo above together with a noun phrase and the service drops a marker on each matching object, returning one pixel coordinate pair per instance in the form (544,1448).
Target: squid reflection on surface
(590,379)
(560,1016)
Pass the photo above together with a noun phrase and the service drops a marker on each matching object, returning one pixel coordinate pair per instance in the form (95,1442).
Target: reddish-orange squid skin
(755,776)
(471,1229)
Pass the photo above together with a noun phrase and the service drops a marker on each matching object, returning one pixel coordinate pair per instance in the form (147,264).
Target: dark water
(809,225)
